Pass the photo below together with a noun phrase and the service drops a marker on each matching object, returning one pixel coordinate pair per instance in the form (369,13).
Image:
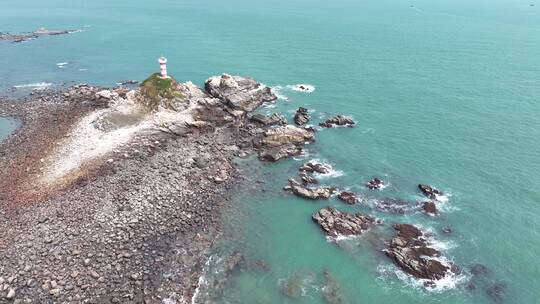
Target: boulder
(264,120)
(338,120)
(348,197)
(274,154)
(429,191)
(307,179)
(410,251)
(310,193)
(311,167)
(336,223)
(282,142)
(430,208)
(239,93)
(301,117)
(283,135)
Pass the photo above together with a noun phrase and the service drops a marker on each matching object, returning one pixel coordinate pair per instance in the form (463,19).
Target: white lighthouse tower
(163,67)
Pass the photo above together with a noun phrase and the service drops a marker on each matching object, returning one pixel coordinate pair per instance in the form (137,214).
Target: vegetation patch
(157,92)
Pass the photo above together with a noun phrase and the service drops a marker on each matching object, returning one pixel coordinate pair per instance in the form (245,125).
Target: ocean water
(444,92)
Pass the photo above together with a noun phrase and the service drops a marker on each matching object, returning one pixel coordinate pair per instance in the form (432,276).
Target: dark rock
(338,120)
(312,167)
(375,184)
(308,179)
(274,119)
(429,191)
(410,251)
(446,229)
(301,117)
(336,223)
(430,208)
(348,197)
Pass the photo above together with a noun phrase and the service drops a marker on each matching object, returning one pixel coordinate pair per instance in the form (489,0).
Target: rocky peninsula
(117,195)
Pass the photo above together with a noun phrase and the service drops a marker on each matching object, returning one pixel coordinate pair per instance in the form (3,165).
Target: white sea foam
(443,198)
(278,91)
(202,280)
(302,87)
(332,173)
(36,85)
(340,238)
(389,271)
(62,65)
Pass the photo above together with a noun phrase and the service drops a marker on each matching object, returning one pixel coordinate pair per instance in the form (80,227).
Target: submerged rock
(331,290)
(336,223)
(411,252)
(393,205)
(430,208)
(479,270)
(301,117)
(496,292)
(239,93)
(348,197)
(375,184)
(338,120)
(429,191)
(310,193)
(294,286)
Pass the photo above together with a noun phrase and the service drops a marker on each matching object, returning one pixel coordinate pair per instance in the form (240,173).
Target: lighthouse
(163,67)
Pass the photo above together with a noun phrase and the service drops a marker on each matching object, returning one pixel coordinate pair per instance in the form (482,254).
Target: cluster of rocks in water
(158,226)
(21,37)
(336,223)
(411,251)
(339,120)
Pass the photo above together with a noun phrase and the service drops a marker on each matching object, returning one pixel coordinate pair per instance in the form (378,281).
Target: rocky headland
(117,195)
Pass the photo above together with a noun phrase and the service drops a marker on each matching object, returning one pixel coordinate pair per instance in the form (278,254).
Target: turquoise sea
(444,92)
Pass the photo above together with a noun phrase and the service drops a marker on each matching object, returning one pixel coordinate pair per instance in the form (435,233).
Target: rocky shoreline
(134,223)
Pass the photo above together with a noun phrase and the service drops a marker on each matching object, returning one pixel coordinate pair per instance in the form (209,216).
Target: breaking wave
(36,85)
(304,88)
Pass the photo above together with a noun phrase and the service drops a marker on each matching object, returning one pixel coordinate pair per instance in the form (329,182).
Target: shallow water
(7,125)
(445,93)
